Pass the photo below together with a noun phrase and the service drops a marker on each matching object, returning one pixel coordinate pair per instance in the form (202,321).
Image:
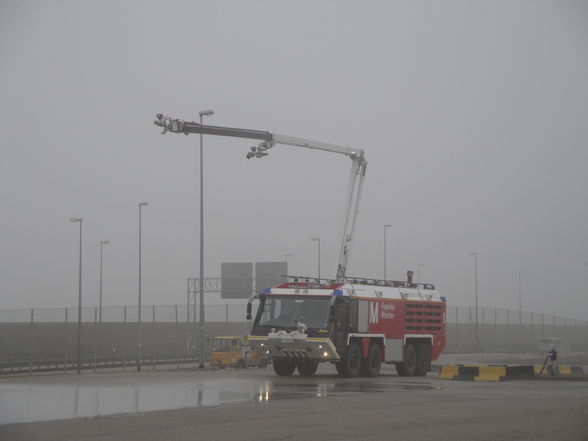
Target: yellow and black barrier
(477,372)
(473,372)
(562,370)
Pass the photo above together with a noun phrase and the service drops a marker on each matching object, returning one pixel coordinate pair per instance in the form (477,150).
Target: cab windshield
(286,312)
(224,345)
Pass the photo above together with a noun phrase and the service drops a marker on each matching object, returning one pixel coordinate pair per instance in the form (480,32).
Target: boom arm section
(268,140)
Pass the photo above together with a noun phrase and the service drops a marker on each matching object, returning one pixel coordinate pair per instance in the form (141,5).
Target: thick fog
(473,117)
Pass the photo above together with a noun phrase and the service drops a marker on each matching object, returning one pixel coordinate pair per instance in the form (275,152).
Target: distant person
(552,356)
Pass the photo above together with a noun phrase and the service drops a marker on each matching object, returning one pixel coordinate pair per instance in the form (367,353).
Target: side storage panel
(394,350)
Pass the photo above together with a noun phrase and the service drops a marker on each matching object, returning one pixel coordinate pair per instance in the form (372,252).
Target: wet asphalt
(57,397)
(256,405)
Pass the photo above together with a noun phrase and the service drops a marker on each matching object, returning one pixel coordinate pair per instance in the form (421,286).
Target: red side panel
(396,318)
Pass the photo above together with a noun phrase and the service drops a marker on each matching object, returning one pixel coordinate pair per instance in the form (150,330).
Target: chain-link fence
(53,339)
(507,330)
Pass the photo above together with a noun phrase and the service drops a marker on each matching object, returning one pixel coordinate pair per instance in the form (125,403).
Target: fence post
(65,343)
(177,341)
(32,342)
(456,325)
(495,329)
(227,318)
(125,333)
(483,339)
(532,336)
(94,336)
(507,326)
(575,342)
(153,341)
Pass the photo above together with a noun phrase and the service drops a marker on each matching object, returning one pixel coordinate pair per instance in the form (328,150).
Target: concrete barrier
(477,372)
(563,370)
(448,372)
(491,373)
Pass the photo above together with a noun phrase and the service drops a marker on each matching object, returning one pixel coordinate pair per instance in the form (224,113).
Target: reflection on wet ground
(27,401)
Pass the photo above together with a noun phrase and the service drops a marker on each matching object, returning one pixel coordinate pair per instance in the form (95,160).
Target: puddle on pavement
(38,402)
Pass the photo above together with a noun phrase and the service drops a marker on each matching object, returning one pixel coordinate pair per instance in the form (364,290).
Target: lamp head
(76,219)
(206,113)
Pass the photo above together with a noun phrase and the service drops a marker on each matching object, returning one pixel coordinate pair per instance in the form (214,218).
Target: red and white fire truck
(356,324)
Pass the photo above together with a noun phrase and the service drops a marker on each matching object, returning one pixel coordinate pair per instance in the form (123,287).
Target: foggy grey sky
(473,117)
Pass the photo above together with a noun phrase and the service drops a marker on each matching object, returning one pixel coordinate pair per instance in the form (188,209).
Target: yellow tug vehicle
(232,351)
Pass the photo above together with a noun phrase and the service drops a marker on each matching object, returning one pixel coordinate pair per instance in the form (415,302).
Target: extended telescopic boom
(268,140)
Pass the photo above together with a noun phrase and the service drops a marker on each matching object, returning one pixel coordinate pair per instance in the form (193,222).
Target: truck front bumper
(319,349)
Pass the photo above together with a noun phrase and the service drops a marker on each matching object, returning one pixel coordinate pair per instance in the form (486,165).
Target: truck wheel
(370,367)
(283,367)
(423,359)
(307,368)
(408,367)
(351,363)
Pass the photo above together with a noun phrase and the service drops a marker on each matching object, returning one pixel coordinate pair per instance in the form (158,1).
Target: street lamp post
(139,330)
(202,114)
(286,255)
(79,220)
(318,239)
(385,247)
(520,311)
(419,265)
(475,254)
(102,243)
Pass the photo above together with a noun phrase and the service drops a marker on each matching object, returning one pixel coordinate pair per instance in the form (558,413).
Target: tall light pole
(286,255)
(318,239)
(520,311)
(419,271)
(202,114)
(476,297)
(385,247)
(102,243)
(79,220)
(139,330)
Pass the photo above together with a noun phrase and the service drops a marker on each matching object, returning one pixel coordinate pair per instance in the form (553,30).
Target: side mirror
(248,311)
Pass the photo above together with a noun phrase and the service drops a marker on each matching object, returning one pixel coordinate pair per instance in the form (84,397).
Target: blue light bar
(338,292)
(443,299)
(267,290)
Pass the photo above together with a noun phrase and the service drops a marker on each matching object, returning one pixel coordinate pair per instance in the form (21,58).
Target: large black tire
(307,367)
(351,363)
(370,367)
(283,367)
(408,367)
(423,359)
(339,367)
